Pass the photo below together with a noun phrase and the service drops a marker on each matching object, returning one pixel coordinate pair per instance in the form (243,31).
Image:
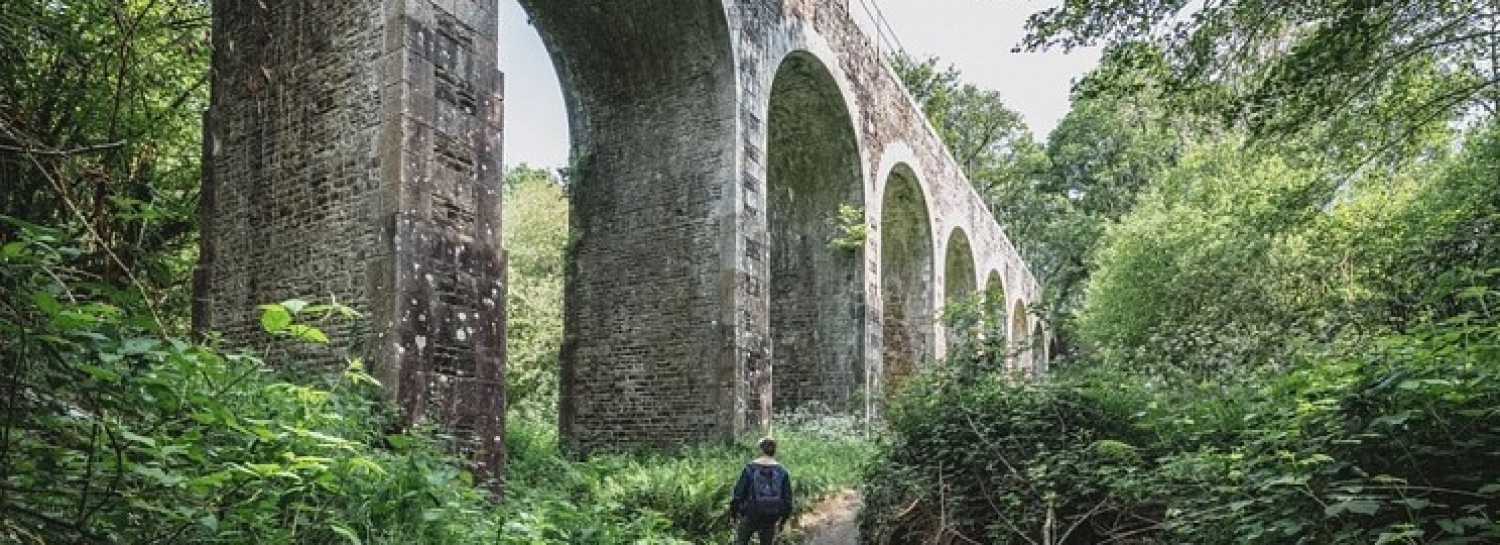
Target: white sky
(974,35)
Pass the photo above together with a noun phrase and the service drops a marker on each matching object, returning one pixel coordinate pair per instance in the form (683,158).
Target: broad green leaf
(307,333)
(274,318)
(45,301)
(346,533)
(135,346)
(138,439)
(1356,506)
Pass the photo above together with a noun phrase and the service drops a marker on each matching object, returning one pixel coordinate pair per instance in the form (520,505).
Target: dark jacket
(742,488)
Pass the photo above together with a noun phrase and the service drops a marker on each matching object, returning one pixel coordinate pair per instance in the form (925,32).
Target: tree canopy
(1272,66)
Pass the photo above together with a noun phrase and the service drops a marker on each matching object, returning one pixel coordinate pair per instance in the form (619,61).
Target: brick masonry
(353,150)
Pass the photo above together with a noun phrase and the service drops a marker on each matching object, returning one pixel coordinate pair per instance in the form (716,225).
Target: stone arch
(1038,348)
(994,291)
(994,310)
(1018,336)
(906,266)
(652,116)
(958,278)
(814,187)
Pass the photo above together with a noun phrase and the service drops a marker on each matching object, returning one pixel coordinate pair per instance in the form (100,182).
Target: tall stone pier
(352,153)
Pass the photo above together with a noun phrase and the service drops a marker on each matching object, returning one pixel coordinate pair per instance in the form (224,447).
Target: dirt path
(832,521)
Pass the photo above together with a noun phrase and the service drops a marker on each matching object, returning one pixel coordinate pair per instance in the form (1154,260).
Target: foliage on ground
(115,433)
(684,494)
(1388,442)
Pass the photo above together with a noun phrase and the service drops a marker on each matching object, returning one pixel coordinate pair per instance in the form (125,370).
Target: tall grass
(665,497)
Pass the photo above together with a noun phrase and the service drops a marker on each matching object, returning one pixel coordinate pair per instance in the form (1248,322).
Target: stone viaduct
(352,150)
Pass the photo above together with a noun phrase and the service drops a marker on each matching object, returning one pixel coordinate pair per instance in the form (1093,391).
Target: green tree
(1424,239)
(1121,133)
(1055,201)
(1282,67)
(535,233)
(1239,253)
(1186,278)
(931,86)
(1123,129)
(981,132)
(100,122)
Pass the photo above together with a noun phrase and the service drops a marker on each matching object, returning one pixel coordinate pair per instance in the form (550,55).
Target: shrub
(1388,441)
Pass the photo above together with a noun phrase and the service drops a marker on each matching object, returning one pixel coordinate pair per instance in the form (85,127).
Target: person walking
(762,500)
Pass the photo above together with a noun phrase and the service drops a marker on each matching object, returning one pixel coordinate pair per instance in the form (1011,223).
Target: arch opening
(652,123)
(1038,349)
(536,116)
(906,265)
(815,202)
(958,285)
(993,323)
(1018,338)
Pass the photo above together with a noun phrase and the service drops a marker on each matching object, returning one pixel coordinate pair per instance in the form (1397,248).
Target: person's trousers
(748,525)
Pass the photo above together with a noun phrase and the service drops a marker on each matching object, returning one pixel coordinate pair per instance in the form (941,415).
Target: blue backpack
(768,497)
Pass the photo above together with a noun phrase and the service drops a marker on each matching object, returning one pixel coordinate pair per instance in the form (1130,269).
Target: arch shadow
(815,212)
(906,278)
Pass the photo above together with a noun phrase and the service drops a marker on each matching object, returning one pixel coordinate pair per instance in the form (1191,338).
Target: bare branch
(57,153)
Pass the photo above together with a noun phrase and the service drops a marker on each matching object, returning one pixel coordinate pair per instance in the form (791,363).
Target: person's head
(767,446)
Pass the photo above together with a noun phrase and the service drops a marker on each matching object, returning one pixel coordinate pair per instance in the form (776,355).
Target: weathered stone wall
(292,160)
(647,356)
(353,152)
(442,323)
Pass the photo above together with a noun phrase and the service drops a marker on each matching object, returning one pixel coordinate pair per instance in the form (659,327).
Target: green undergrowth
(116,430)
(669,497)
(1390,439)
